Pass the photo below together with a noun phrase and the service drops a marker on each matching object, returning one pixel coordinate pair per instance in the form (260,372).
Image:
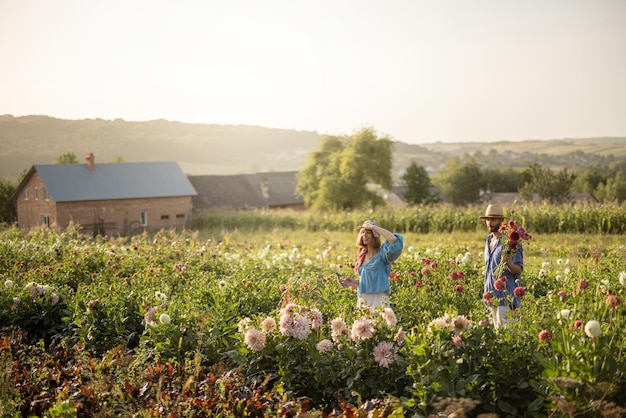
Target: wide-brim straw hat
(493,211)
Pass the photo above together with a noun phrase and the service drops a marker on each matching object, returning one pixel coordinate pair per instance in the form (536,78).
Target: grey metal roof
(76,182)
(240,191)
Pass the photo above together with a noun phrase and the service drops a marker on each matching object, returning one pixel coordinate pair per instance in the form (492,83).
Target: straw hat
(493,211)
(370,223)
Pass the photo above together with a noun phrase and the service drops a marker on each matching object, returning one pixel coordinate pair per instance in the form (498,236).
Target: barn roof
(241,191)
(112,181)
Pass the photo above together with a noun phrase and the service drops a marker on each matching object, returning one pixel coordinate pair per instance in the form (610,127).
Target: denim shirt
(492,261)
(374,275)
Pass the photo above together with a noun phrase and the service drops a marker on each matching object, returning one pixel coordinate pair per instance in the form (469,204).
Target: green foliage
(507,180)
(417,183)
(439,218)
(164,336)
(40,310)
(614,190)
(67,158)
(588,182)
(8,212)
(460,181)
(337,176)
(555,188)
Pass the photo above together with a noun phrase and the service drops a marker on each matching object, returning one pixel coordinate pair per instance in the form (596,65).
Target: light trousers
(499,315)
(373,300)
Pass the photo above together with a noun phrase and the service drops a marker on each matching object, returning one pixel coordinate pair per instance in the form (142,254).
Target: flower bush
(319,359)
(175,324)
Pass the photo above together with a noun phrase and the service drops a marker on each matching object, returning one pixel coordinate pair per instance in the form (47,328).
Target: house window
(165,216)
(143,218)
(180,216)
(45,219)
(36,193)
(25,194)
(46,195)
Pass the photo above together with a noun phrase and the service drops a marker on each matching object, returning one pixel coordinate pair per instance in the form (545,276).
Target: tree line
(341,173)
(347,172)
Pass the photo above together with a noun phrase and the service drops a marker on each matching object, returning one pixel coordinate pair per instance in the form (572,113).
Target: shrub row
(548,219)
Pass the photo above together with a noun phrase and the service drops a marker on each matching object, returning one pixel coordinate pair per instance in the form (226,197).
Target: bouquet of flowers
(511,235)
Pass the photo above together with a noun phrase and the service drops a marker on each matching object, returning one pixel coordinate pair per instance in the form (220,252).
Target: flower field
(256,324)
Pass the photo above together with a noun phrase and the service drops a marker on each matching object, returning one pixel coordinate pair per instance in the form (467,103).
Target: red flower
(459,288)
(519,292)
(515,234)
(577,323)
(583,284)
(487,296)
(562,295)
(500,284)
(613,301)
(522,233)
(425,271)
(544,335)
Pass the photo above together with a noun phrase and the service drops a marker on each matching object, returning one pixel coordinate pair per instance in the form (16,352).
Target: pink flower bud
(613,301)
(544,335)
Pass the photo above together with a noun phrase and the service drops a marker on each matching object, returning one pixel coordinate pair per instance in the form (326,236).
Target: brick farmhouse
(115,199)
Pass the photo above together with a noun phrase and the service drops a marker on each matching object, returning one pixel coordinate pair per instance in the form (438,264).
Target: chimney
(89,159)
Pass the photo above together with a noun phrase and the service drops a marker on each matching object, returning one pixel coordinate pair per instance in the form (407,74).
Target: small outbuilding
(270,190)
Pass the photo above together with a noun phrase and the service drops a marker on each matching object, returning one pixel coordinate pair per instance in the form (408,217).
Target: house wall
(110,217)
(29,212)
(123,217)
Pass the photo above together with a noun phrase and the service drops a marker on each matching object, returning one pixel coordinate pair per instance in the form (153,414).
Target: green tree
(338,176)
(417,183)
(67,158)
(7,203)
(507,180)
(550,186)
(461,182)
(588,181)
(614,190)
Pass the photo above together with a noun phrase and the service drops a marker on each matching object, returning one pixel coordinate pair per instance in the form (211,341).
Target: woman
(373,263)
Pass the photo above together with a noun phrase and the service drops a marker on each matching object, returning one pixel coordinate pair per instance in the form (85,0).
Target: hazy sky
(418,71)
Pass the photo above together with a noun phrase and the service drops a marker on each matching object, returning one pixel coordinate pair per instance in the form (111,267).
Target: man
(499,293)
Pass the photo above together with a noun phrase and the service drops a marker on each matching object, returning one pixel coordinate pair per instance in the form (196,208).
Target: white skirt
(373,300)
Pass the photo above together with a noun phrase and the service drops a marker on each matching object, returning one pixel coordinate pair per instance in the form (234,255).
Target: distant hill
(228,149)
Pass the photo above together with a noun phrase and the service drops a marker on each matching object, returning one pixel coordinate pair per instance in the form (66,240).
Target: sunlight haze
(418,71)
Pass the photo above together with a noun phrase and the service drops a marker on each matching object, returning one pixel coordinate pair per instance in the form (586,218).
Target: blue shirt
(374,275)
(492,261)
